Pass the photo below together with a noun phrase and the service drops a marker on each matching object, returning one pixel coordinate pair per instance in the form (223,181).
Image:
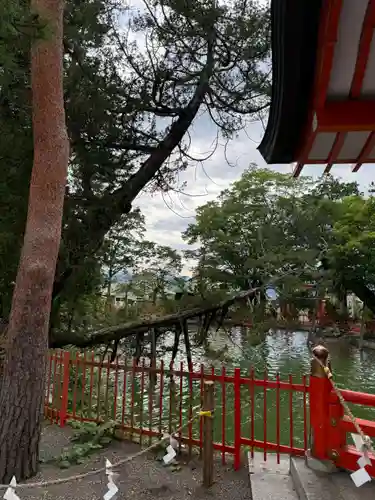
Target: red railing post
(320,388)
(336,436)
(237,418)
(65,388)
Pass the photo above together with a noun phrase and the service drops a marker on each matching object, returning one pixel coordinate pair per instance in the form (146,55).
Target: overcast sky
(167,216)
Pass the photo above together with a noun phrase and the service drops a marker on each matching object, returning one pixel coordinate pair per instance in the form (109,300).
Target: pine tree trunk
(23,385)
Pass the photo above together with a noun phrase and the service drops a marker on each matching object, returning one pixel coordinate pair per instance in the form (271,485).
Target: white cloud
(168,215)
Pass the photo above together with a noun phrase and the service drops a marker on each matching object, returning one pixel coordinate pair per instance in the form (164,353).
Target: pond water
(277,414)
(285,355)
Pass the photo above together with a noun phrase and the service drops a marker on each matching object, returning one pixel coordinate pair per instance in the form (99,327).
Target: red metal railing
(147,401)
(250,412)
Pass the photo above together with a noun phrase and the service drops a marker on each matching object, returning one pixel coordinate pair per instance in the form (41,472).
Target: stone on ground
(292,480)
(270,480)
(311,485)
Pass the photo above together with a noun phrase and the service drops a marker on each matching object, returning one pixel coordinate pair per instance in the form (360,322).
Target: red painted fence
(250,412)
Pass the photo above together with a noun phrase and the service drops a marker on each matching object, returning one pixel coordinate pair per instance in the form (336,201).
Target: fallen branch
(140,327)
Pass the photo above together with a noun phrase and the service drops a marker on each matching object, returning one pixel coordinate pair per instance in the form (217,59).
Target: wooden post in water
(208,434)
(363,327)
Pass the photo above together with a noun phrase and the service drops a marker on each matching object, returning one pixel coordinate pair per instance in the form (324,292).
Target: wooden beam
(335,151)
(366,151)
(338,161)
(347,116)
(297,169)
(327,38)
(363,50)
(303,156)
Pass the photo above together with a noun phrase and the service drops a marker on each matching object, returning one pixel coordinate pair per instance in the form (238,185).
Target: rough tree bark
(23,384)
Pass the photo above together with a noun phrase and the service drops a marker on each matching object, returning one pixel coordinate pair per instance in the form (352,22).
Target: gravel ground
(143,477)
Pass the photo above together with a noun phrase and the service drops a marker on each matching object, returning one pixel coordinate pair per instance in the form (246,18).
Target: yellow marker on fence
(205,413)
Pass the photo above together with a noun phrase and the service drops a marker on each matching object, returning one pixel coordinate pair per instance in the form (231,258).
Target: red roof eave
(329,23)
(343,116)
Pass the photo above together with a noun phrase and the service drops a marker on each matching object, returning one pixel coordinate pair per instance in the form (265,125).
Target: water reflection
(275,412)
(284,352)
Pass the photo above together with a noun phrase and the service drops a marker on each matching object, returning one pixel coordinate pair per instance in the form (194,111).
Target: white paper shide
(361,476)
(112,488)
(10,493)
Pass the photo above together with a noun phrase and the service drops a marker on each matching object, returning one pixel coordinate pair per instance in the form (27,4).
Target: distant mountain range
(123,277)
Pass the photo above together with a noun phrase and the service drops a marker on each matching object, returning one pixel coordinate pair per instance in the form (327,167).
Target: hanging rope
(52,482)
(367,444)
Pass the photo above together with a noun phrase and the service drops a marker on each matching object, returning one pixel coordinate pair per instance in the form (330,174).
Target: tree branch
(119,201)
(176,133)
(118,332)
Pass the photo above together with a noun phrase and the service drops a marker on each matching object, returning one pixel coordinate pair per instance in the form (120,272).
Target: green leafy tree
(354,232)
(242,234)
(268,224)
(132,91)
(120,249)
(351,256)
(160,265)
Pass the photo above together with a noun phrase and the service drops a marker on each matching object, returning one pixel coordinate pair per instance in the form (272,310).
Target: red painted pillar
(320,389)
(65,388)
(336,436)
(237,418)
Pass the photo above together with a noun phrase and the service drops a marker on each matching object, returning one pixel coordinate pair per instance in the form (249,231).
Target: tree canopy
(268,224)
(135,79)
(266,230)
(242,234)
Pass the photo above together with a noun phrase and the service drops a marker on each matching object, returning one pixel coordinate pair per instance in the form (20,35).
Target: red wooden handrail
(360,398)
(367,426)
(194,375)
(330,425)
(73,392)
